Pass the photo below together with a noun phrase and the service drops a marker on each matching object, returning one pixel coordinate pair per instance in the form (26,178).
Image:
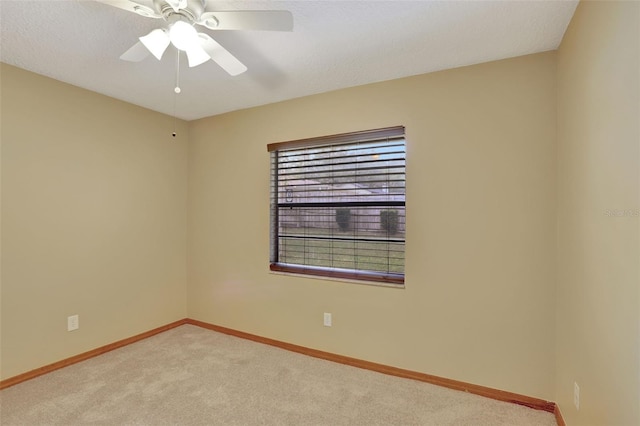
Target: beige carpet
(193,376)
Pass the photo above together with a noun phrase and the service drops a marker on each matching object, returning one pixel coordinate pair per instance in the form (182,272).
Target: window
(338,206)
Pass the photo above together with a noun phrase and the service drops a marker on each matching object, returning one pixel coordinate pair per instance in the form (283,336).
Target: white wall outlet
(576,395)
(73,323)
(327,319)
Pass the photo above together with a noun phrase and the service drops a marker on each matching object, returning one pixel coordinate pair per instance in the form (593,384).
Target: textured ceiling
(335,44)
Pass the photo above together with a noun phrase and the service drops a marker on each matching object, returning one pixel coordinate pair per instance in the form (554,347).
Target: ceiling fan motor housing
(192,12)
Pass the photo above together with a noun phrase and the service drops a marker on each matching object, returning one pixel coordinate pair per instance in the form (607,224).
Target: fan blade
(141,7)
(221,56)
(157,42)
(196,56)
(265,20)
(136,53)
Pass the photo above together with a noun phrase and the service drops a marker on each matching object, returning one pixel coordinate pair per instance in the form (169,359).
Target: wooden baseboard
(558,414)
(538,404)
(86,355)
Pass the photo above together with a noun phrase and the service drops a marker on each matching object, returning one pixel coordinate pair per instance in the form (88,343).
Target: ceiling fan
(181,16)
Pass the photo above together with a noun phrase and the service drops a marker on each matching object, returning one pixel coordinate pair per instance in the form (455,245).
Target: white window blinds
(338,206)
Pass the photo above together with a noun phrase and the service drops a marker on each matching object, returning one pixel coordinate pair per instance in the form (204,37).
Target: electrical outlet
(327,319)
(73,323)
(576,395)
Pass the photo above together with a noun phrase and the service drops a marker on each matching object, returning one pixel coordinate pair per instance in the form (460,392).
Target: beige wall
(523,239)
(480,264)
(93,220)
(598,333)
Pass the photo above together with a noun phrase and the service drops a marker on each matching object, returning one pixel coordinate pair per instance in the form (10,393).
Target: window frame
(387,278)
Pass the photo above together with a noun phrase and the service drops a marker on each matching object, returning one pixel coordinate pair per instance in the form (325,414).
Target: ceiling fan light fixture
(183,36)
(156,41)
(197,56)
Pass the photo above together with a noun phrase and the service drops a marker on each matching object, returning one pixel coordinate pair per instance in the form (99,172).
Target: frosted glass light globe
(183,36)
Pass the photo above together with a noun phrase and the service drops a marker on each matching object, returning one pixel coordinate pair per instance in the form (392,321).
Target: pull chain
(177,89)
(176,92)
